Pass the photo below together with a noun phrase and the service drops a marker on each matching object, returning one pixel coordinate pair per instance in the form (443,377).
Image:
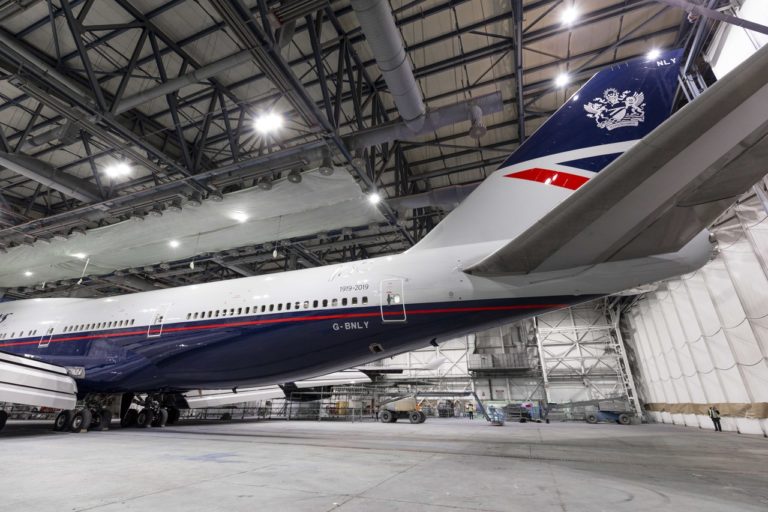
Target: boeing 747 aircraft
(610,193)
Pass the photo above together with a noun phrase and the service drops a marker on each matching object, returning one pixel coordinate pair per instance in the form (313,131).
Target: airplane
(610,193)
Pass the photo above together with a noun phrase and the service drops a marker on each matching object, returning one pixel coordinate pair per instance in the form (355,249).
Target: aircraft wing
(663,191)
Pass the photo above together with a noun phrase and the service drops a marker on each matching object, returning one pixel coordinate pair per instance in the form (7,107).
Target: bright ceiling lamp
(374,198)
(570,15)
(268,122)
(562,80)
(28,273)
(79,255)
(174,244)
(653,54)
(117,170)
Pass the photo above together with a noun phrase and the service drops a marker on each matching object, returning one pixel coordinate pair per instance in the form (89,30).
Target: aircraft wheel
(62,421)
(173,415)
(414,417)
(422,417)
(81,420)
(386,416)
(145,418)
(102,420)
(129,420)
(3,419)
(161,418)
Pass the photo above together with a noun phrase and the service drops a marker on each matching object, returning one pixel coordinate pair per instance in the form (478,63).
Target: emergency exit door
(155,329)
(392,300)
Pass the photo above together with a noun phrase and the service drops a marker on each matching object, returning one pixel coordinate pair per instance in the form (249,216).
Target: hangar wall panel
(703,338)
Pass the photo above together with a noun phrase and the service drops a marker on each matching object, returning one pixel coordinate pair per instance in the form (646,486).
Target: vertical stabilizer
(616,108)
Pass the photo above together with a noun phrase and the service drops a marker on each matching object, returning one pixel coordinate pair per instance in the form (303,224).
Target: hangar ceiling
(172,87)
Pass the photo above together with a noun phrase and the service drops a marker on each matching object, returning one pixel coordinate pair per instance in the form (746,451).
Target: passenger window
(287,306)
(365,300)
(218,312)
(132,319)
(306,304)
(325,303)
(314,303)
(232,312)
(239,311)
(271,307)
(354,300)
(297,305)
(344,301)
(247,310)
(263,308)
(280,307)
(335,302)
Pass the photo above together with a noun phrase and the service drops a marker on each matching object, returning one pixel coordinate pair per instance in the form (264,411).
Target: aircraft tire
(173,415)
(3,419)
(161,418)
(62,421)
(81,421)
(414,417)
(422,417)
(145,418)
(386,416)
(129,420)
(102,420)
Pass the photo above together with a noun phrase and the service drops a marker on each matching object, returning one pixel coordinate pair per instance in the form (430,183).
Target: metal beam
(707,12)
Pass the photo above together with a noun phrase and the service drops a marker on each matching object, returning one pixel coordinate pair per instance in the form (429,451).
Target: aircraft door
(155,329)
(45,339)
(392,300)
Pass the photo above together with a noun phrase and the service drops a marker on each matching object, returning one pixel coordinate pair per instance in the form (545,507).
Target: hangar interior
(151,144)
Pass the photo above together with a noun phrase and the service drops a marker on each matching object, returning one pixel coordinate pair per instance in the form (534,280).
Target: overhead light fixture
(478,128)
(653,54)
(264,183)
(174,244)
(28,273)
(294,176)
(79,255)
(117,170)
(570,15)
(562,80)
(239,216)
(374,198)
(268,122)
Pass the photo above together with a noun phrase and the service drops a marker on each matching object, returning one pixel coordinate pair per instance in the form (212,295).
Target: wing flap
(662,192)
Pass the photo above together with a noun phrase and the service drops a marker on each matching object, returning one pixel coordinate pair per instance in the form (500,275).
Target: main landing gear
(96,413)
(151,412)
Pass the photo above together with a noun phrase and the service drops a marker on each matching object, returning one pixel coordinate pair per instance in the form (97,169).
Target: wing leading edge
(661,193)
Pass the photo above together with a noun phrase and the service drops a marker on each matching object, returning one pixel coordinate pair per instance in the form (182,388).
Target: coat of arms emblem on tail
(616,110)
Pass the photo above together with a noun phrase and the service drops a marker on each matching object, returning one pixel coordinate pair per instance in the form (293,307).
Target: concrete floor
(442,465)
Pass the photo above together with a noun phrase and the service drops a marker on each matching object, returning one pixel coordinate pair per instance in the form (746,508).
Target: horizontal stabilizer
(662,192)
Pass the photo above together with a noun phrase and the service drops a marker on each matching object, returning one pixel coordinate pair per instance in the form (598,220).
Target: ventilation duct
(386,43)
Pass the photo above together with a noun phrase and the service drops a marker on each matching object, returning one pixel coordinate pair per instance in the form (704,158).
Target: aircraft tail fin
(608,115)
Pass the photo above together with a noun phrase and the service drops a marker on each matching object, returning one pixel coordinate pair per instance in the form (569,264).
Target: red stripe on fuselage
(550,177)
(268,321)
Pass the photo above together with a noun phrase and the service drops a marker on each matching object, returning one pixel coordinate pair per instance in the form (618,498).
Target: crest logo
(617,110)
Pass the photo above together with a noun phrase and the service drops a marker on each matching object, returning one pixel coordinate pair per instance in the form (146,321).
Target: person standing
(471,410)
(715,415)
